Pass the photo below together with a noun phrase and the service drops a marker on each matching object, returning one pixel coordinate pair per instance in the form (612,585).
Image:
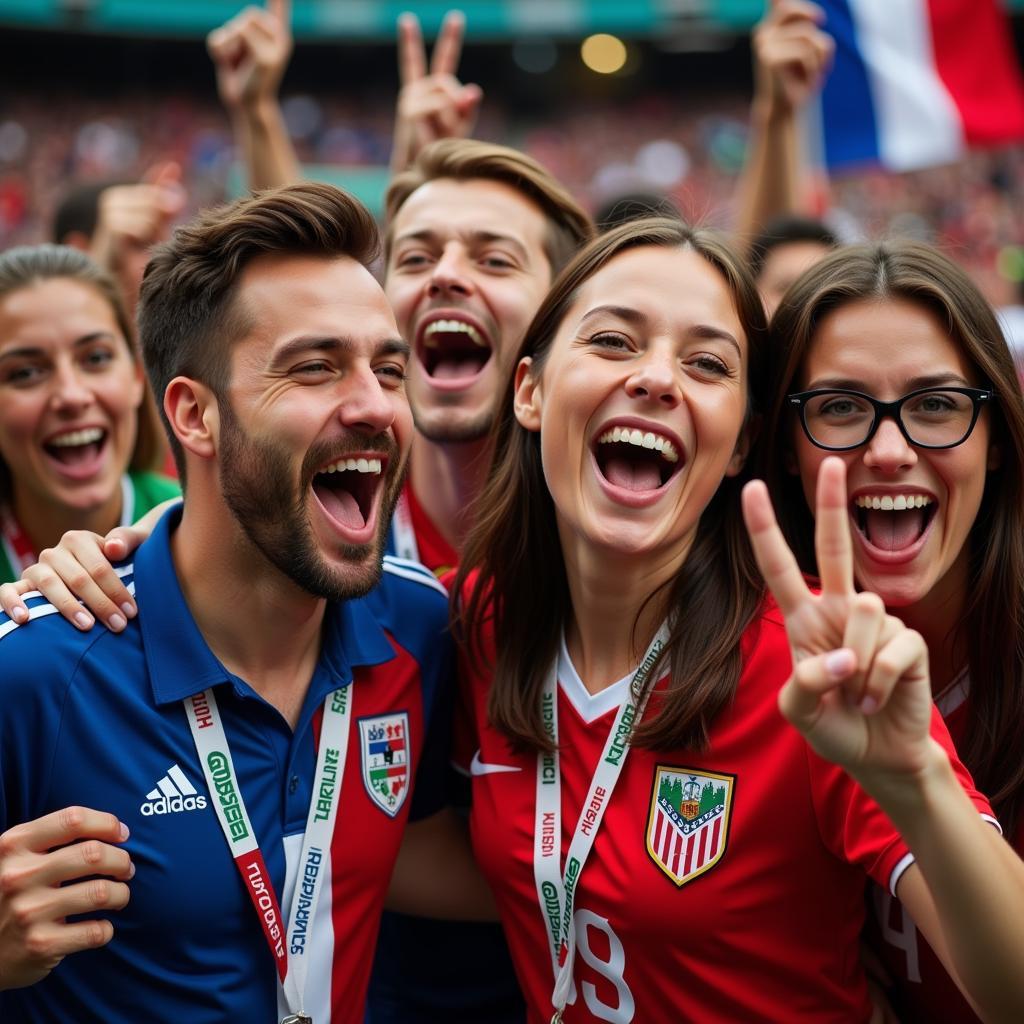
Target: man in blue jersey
(200,817)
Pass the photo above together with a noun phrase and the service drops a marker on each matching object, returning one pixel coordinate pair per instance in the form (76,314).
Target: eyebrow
(474,237)
(935,380)
(32,353)
(634,316)
(300,346)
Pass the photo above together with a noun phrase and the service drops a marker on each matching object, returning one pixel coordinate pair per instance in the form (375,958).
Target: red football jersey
(922,989)
(755,915)
(434,551)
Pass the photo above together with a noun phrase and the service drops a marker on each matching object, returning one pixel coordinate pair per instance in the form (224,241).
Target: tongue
(639,475)
(893,531)
(75,454)
(453,368)
(342,506)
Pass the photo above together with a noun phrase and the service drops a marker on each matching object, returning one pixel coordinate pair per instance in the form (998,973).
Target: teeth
(452,327)
(355,465)
(89,435)
(893,503)
(652,441)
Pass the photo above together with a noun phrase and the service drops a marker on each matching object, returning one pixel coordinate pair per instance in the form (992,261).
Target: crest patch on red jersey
(688,823)
(384,755)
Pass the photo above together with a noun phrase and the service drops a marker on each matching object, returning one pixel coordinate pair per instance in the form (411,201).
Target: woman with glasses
(889,358)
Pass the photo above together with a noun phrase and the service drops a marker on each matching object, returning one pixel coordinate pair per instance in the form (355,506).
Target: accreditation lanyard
(402,530)
(556,891)
(18,547)
(226,796)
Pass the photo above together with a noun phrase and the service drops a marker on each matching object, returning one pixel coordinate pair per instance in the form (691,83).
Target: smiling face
(917,548)
(640,402)
(466,272)
(315,426)
(69,395)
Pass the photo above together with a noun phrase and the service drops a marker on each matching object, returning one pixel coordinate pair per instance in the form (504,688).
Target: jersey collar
(178,659)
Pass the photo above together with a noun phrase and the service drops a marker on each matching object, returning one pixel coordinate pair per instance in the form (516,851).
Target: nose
(366,407)
(70,392)
(889,450)
(449,275)
(655,378)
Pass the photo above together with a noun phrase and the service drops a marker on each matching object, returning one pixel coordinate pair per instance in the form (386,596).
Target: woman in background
(79,436)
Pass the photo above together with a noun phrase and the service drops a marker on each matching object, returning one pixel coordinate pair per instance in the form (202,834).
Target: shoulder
(43,654)
(412,581)
(408,601)
(152,489)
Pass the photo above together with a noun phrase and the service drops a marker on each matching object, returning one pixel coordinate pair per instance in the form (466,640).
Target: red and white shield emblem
(688,824)
(384,743)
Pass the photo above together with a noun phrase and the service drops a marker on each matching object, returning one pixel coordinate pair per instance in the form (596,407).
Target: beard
(258,485)
(451,426)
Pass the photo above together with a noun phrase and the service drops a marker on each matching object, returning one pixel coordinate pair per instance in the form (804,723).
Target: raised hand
(860,690)
(250,53)
(431,105)
(41,864)
(791,54)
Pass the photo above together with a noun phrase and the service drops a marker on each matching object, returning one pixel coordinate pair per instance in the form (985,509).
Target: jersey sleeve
(431,791)
(857,830)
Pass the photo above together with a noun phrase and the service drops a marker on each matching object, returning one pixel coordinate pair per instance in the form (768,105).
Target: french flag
(917,82)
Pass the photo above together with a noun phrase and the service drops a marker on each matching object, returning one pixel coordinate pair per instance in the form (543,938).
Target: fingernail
(131,870)
(124,830)
(839,663)
(83,620)
(19,613)
(116,623)
(129,610)
(869,705)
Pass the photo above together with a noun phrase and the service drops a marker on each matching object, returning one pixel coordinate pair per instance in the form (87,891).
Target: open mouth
(636,460)
(453,350)
(893,522)
(347,489)
(76,448)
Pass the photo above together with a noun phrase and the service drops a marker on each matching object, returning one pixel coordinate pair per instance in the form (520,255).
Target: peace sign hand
(431,105)
(860,691)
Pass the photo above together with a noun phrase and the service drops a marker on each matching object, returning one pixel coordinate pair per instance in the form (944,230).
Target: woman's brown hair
(992,624)
(28,265)
(513,555)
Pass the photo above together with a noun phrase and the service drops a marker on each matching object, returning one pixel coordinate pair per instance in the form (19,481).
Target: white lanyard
(17,546)
(556,891)
(226,796)
(402,531)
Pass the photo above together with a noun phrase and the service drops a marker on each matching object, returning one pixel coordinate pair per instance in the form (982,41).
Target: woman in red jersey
(662,845)
(890,357)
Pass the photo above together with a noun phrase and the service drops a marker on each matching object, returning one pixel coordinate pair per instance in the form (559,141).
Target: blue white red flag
(917,82)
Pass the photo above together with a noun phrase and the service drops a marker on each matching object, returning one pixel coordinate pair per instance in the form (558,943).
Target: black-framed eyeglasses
(839,420)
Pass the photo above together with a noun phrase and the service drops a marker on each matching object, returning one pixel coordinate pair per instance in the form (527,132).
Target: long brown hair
(992,625)
(519,583)
(28,265)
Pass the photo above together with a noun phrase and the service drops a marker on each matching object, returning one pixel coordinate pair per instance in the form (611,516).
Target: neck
(936,618)
(44,522)
(260,625)
(618,603)
(446,479)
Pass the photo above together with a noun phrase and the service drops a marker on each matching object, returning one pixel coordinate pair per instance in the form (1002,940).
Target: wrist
(904,795)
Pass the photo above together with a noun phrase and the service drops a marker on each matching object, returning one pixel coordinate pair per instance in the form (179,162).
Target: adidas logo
(173,793)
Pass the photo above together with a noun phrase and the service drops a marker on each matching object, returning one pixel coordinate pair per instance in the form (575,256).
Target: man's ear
(194,415)
(528,399)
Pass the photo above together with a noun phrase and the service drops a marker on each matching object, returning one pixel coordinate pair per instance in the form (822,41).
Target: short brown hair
(188,320)
(27,265)
(520,587)
(569,226)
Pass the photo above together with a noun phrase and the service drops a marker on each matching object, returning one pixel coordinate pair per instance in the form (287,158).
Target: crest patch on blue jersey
(688,823)
(384,755)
